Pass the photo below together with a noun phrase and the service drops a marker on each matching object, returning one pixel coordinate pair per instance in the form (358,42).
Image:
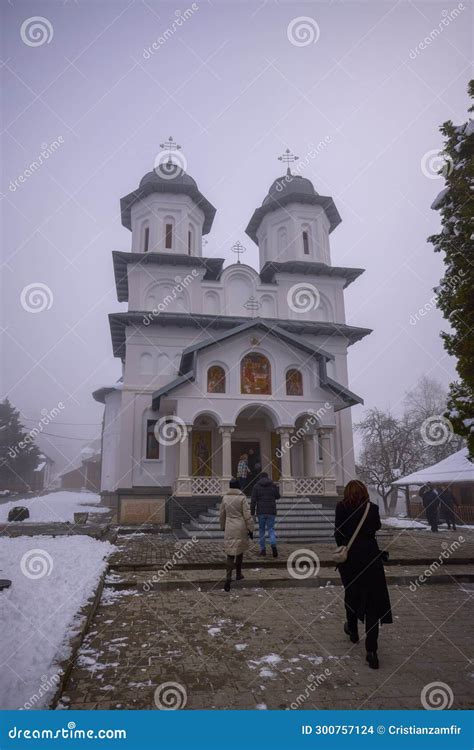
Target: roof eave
(314,200)
(201,202)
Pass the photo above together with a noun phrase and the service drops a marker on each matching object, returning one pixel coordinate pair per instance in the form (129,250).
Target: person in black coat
(430,500)
(264,496)
(447,503)
(366,596)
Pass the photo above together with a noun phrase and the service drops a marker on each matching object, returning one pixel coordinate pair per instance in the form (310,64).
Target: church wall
(193,397)
(110,440)
(155,211)
(280,235)
(156,289)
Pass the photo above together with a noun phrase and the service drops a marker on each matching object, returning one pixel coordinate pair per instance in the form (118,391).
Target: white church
(218,362)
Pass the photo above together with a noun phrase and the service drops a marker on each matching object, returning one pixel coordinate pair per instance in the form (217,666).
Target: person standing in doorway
(430,500)
(237,525)
(243,471)
(362,574)
(447,503)
(264,496)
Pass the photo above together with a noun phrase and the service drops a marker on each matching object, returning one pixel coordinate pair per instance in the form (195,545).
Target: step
(301,536)
(296,515)
(309,508)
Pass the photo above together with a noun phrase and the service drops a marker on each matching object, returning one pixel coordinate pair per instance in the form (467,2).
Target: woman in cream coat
(237,525)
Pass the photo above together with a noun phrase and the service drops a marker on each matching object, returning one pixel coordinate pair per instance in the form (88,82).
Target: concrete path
(165,630)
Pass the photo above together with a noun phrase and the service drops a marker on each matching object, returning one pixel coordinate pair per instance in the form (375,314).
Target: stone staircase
(298,520)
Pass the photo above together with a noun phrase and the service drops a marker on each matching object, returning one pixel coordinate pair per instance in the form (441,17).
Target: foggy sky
(235,92)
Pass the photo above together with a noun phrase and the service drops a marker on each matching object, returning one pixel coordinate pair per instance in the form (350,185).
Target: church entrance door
(252,448)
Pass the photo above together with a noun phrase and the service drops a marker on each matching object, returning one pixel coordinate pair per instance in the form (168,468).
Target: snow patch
(40,615)
(57,507)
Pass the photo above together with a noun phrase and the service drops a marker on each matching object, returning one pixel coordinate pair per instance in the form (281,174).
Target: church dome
(291,188)
(288,185)
(165,174)
(167,179)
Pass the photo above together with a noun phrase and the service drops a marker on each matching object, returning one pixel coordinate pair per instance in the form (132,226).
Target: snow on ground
(56,506)
(404,523)
(52,578)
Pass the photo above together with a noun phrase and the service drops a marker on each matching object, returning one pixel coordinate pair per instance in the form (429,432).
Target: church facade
(218,362)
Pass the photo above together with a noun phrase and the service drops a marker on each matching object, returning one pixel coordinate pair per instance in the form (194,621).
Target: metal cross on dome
(170,146)
(239,250)
(287,158)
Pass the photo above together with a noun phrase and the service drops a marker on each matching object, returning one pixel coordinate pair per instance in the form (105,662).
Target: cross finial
(170,146)
(288,157)
(239,249)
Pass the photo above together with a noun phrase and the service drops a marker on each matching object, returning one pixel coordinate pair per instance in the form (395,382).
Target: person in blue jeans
(264,496)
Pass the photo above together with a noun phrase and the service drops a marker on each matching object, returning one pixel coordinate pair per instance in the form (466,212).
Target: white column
(328,470)
(309,453)
(183,482)
(287,485)
(226,432)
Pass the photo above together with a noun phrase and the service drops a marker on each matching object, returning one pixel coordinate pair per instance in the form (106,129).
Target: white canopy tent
(454,469)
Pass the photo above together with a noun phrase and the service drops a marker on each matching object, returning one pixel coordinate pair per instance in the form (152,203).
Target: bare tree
(424,409)
(389,451)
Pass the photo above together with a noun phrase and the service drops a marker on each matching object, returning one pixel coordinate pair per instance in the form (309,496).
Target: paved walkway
(154,550)
(273,642)
(270,648)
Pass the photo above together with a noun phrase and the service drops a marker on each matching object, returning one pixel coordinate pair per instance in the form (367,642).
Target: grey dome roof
(166,179)
(289,184)
(165,174)
(287,189)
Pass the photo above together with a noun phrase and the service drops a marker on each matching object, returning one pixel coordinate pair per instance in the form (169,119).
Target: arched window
(294,383)
(306,239)
(169,231)
(152,444)
(190,239)
(282,239)
(146,364)
(146,239)
(255,374)
(216,379)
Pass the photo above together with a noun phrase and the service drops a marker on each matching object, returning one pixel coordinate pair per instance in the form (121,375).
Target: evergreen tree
(18,453)
(455,292)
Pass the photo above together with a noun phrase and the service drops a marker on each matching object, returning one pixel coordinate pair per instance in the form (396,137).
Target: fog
(231,87)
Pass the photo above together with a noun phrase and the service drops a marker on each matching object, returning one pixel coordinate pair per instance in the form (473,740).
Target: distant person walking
(237,525)
(243,470)
(366,595)
(447,506)
(264,496)
(430,500)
